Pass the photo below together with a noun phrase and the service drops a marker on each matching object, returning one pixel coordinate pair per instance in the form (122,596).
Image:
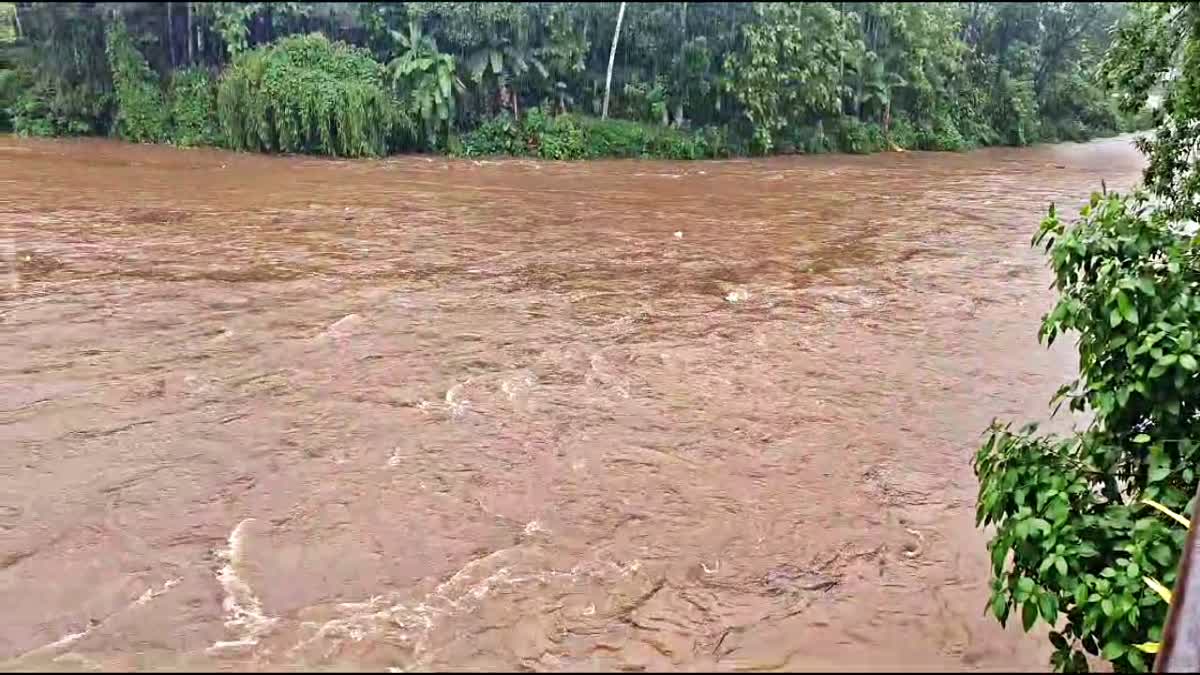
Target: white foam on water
(243,609)
(738,295)
(455,402)
(395,458)
(68,639)
(150,593)
(517,385)
(71,638)
(599,373)
(460,593)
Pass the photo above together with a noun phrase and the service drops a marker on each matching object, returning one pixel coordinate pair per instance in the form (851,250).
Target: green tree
(1157,55)
(1077,530)
(142,115)
(762,76)
(788,70)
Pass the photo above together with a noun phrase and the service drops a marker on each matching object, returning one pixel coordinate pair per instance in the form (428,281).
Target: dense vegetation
(685,79)
(1081,539)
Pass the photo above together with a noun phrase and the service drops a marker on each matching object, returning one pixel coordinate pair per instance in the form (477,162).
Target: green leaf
(1029,615)
(1025,585)
(1106,606)
(1040,525)
(1161,554)
(1128,312)
(1160,466)
(1141,438)
(1048,605)
(1000,608)
(1137,661)
(1112,651)
(1114,318)
(998,555)
(1061,565)
(1187,362)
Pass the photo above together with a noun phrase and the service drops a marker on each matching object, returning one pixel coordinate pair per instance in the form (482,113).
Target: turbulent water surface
(276,413)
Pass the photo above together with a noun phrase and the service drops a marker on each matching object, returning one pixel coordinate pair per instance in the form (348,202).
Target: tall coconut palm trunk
(612,56)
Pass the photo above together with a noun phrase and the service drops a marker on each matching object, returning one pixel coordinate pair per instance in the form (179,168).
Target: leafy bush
(1141,120)
(306,94)
(554,137)
(141,114)
(1014,113)
(577,137)
(193,101)
(622,138)
(499,135)
(903,134)
(716,142)
(943,134)
(807,139)
(14,83)
(614,138)
(45,109)
(1073,539)
(859,137)
(645,101)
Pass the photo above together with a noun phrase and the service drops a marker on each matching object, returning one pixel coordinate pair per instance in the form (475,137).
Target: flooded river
(281,413)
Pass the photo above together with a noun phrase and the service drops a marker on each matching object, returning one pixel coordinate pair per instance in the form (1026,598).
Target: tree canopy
(771,77)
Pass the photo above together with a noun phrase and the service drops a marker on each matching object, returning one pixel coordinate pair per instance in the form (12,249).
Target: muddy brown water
(279,413)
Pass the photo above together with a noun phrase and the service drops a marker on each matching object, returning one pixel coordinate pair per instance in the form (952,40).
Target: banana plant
(503,61)
(425,80)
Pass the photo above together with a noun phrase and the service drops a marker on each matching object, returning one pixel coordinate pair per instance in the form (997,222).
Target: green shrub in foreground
(1073,536)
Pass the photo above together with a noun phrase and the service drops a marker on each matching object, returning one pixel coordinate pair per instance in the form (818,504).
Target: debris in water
(679,234)
(738,295)
(914,550)
(347,325)
(533,527)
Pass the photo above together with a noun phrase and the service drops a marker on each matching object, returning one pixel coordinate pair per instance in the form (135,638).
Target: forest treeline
(561,80)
